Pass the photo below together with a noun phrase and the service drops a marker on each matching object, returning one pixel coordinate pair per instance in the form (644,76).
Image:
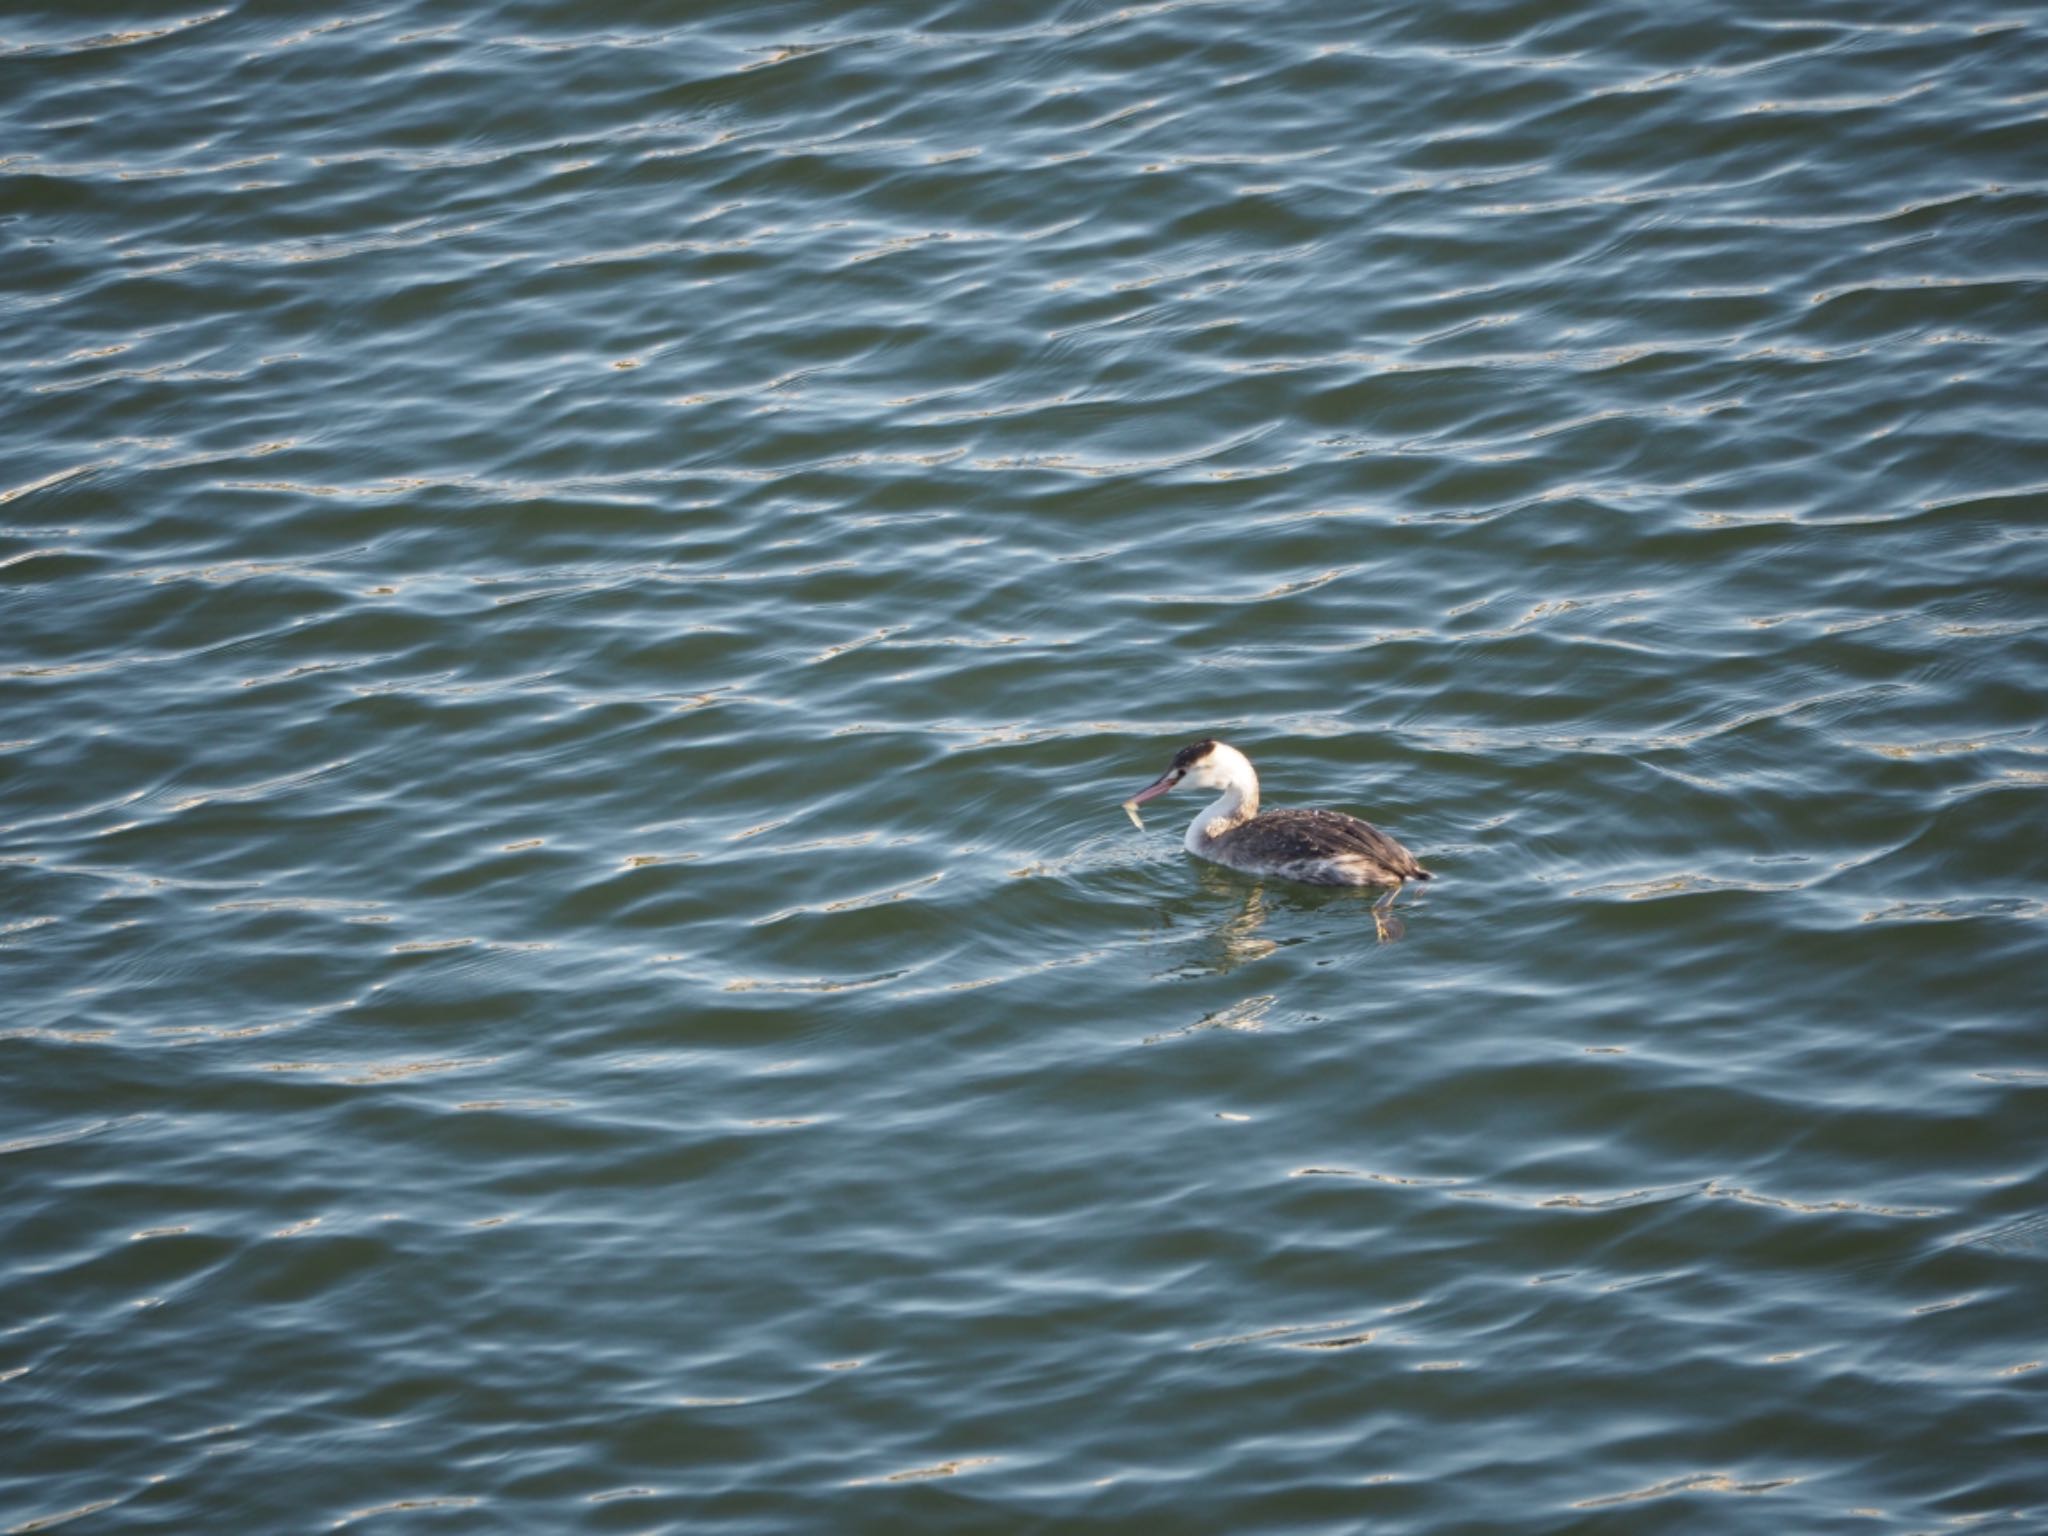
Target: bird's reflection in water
(1237,940)
(1247,1013)
(1221,946)
(1244,909)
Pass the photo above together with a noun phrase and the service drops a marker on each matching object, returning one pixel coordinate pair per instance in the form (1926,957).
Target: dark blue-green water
(580,585)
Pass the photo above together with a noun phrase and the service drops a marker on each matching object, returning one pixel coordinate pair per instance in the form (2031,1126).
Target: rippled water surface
(580,584)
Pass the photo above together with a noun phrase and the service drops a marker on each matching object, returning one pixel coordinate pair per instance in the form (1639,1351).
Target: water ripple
(581,593)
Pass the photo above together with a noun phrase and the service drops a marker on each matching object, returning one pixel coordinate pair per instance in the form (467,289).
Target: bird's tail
(1419,873)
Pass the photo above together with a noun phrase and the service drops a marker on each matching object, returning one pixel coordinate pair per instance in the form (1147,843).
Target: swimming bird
(1317,847)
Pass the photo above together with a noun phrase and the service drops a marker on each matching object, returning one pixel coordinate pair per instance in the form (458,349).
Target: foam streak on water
(580,588)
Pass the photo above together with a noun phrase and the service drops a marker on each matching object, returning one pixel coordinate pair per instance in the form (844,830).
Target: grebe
(1318,847)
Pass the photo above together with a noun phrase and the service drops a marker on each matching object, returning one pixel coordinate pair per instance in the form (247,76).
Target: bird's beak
(1156,788)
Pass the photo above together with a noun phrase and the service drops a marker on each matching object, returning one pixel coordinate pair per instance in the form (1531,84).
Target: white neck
(1239,802)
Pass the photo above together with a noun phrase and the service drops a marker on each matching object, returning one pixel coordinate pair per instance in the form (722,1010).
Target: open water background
(580,584)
